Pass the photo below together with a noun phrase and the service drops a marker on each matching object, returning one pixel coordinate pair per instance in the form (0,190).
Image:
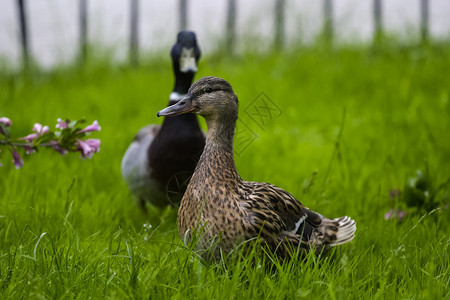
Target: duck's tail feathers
(346,228)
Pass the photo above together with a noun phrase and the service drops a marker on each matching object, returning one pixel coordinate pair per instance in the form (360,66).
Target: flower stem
(26,144)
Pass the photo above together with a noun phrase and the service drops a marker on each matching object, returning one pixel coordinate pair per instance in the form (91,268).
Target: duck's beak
(181,107)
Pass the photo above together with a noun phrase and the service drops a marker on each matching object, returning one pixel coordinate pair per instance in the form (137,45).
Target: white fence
(56,30)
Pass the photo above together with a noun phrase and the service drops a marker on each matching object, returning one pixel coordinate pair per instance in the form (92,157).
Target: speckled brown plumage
(229,210)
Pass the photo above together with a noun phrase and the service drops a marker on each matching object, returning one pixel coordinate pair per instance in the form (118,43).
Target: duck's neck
(220,135)
(183,122)
(218,153)
(183,81)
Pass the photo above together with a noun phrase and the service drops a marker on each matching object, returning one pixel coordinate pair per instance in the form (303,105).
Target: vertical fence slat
(377,19)
(231,25)
(134,32)
(279,24)
(328,30)
(23,32)
(83,29)
(424,18)
(183,14)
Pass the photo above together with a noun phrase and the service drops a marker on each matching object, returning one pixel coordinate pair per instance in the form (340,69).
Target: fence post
(183,15)
(424,19)
(83,29)
(377,20)
(231,25)
(279,24)
(23,33)
(328,20)
(134,33)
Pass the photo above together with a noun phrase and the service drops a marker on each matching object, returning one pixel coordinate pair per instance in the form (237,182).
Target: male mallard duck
(232,210)
(161,158)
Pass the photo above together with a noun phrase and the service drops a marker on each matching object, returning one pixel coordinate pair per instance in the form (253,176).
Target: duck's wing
(134,164)
(134,161)
(271,207)
(278,217)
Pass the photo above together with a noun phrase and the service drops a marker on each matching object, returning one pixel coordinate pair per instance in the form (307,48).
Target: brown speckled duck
(231,210)
(162,158)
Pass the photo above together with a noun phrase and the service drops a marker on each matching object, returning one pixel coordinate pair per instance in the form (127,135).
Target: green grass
(354,124)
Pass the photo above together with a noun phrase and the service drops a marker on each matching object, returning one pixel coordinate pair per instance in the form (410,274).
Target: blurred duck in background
(161,159)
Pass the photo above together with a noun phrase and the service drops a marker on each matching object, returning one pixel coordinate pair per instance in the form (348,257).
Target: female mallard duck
(161,158)
(230,210)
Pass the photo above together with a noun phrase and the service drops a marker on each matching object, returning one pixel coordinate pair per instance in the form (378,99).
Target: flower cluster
(420,194)
(68,137)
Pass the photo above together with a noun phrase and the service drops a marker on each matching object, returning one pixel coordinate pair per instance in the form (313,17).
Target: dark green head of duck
(185,56)
(211,97)
(185,53)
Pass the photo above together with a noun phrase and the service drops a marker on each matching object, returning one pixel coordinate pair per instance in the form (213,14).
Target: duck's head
(185,53)
(211,97)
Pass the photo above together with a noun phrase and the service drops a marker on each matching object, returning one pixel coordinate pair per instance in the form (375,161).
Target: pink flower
(30,137)
(56,146)
(39,129)
(62,124)
(7,122)
(88,147)
(395,214)
(29,150)
(388,215)
(93,127)
(17,160)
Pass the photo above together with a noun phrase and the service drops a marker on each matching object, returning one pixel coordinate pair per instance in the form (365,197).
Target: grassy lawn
(347,126)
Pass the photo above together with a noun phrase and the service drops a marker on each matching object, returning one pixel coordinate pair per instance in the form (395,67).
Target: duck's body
(229,210)
(163,157)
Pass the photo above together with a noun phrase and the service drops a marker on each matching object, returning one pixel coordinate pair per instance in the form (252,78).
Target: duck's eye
(208,90)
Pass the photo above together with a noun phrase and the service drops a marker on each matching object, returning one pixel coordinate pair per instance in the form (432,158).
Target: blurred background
(52,32)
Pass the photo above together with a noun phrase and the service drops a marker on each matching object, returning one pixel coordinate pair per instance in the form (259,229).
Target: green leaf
(72,124)
(6,130)
(76,123)
(45,138)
